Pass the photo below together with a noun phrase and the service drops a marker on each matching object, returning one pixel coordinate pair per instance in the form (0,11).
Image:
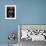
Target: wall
(27,12)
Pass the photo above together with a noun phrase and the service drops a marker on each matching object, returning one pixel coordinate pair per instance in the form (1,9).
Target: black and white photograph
(29,35)
(10,11)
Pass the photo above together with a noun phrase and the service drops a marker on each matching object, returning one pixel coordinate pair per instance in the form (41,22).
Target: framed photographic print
(10,11)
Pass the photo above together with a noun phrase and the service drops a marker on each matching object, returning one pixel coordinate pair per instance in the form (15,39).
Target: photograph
(28,33)
(10,11)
